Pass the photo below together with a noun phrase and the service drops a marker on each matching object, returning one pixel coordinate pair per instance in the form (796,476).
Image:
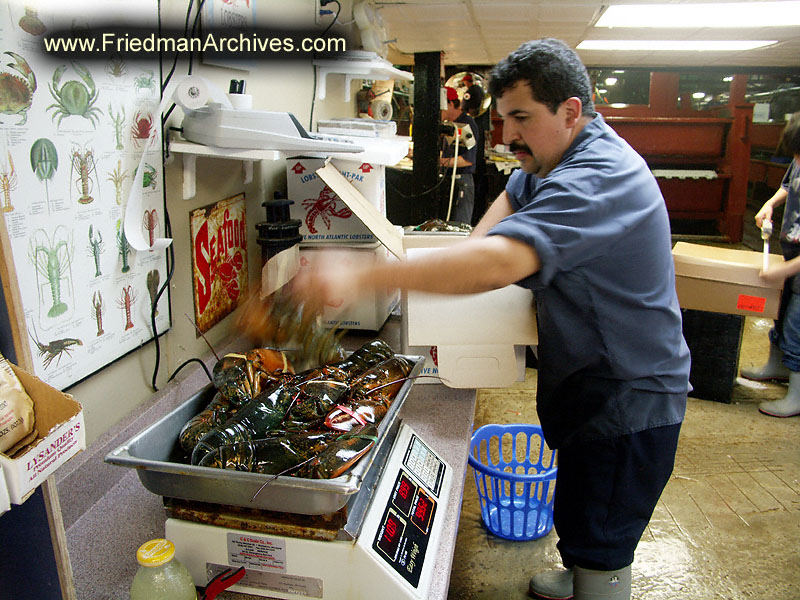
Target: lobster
(241,377)
(340,455)
(215,413)
(273,455)
(373,393)
(279,320)
(292,401)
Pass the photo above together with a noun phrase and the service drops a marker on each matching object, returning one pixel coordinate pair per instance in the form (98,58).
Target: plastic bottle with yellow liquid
(161,576)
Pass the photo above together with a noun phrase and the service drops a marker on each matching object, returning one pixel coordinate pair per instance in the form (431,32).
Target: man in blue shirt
(463,199)
(582,224)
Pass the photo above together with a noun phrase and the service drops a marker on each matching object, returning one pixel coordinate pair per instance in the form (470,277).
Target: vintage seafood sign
(72,132)
(219,259)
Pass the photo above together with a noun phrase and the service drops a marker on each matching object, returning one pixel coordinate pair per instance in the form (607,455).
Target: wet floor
(727,526)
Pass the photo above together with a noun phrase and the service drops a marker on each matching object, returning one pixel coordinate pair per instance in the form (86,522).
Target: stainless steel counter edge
(108,513)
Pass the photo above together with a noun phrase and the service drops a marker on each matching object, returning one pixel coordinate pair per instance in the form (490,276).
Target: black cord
(170,271)
(338,10)
(177,53)
(314,90)
(194,27)
(191,360)
(313,95)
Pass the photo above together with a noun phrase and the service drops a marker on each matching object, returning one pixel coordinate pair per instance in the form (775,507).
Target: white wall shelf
(356,65)
(191,151)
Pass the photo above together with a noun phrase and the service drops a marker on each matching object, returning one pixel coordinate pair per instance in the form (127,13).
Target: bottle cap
(155,552)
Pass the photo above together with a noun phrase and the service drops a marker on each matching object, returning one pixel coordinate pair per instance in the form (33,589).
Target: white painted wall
(123,387)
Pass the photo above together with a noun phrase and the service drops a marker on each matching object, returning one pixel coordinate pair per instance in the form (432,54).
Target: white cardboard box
(5,501)
(475,334)
(59,420)
(371,311)
(323,215)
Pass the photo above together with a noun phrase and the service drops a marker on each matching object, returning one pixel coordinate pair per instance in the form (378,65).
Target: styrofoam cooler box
(5,501)
(324,216)
(480,339)
(430,370)
(372,310)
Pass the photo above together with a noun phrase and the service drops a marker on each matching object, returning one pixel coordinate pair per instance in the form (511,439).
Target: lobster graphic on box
(324,207)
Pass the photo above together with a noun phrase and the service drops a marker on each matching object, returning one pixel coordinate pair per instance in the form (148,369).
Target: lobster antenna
(274,477)
(383,385)
(200,333)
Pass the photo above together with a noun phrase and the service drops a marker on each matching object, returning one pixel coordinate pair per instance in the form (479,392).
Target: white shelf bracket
(322,78)
(247,171)
(189,170)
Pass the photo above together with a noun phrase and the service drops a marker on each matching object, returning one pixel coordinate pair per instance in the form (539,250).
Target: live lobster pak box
(370,311)
(59,421)
(725,280)
(475,334)
(323,215)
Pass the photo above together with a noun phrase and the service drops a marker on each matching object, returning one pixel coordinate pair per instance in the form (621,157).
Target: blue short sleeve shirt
(612,358)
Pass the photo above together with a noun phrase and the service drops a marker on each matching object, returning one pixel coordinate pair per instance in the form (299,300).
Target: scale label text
(256,551)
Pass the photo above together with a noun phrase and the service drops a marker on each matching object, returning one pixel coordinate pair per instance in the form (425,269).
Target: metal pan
(154,453)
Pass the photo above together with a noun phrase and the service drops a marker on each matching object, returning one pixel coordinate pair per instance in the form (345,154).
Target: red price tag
(751,303)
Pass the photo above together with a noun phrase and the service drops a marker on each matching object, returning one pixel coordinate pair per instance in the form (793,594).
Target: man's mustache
(519,147)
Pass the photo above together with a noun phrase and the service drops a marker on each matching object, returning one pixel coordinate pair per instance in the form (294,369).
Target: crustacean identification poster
(219,259)
(72,132)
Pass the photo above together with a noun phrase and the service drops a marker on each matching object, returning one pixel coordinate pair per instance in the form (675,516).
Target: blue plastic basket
(516,477)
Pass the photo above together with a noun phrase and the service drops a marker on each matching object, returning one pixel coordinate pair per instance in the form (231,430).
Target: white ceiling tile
(561,12)
(484,31)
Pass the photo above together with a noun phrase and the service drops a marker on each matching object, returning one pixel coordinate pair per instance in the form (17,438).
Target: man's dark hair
(456,103)
(551,68)
(790,138)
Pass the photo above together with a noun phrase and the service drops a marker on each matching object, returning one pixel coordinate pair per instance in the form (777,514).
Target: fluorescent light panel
(674,45)
(740,14)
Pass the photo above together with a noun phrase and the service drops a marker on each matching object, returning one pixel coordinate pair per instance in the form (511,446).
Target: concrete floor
(727,525)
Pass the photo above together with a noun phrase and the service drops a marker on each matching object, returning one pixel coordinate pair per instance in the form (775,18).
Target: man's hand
(331,280)
(775,274)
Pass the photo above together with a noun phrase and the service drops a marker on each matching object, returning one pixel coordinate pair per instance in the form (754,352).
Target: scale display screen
(402,537)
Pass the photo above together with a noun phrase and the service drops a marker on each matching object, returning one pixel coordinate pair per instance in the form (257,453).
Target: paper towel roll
(382,110)
(191,93)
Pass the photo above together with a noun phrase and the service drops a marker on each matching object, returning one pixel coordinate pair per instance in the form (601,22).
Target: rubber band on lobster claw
(352,413)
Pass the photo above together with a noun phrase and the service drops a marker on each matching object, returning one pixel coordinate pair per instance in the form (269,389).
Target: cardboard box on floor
(59,421)
(724,280)
(475,334)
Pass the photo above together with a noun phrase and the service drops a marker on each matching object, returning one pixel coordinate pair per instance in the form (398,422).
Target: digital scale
(387,548)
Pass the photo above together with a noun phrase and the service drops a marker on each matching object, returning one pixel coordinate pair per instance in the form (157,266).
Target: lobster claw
(222,582)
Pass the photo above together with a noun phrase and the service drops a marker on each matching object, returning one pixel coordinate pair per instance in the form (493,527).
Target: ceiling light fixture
(611,81)
(675,45)
(738,14)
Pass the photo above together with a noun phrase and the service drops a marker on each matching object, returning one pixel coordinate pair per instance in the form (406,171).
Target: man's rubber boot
(555,584)
(789,405)
(772,370)
(608,585)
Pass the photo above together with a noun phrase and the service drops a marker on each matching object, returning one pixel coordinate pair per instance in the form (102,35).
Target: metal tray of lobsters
(156,455)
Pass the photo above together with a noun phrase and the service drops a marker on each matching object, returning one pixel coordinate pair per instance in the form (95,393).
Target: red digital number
(404,489)
(391,530)
(422,509)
